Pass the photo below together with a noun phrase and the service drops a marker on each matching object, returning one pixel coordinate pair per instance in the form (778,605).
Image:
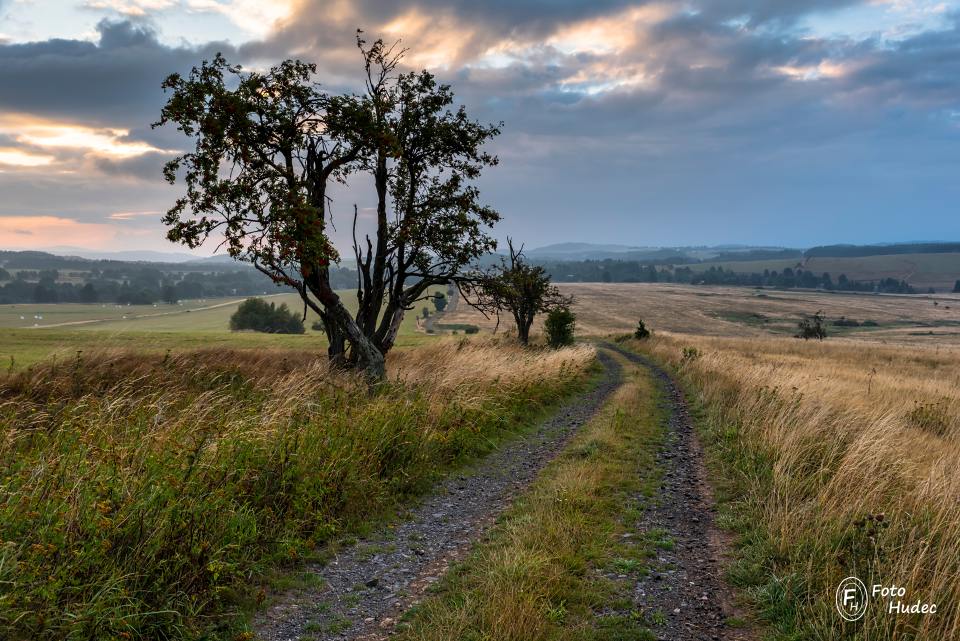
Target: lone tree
(517,287)
(812,327)
(267,145)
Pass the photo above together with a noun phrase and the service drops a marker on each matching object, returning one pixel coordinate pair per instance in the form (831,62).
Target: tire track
(367,587)
(685,585)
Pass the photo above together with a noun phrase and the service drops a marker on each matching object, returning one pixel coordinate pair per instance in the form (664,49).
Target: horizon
(661,124)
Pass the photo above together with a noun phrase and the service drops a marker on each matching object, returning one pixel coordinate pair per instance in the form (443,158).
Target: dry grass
(821,438)
(740,311)
(140,494)
(539,576)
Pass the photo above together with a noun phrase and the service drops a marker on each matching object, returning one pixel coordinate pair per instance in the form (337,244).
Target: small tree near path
(517,287)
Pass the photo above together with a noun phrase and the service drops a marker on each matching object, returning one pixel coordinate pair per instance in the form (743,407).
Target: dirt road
(366,587)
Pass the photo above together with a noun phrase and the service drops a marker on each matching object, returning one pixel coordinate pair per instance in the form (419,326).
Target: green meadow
(29,333)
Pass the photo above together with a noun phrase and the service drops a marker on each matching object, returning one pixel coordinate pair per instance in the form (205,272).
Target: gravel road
(686,583)
(367,586)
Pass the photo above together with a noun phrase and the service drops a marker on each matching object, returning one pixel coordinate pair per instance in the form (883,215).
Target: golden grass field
(820,439)
(739,311)
(810,442)
(813,441)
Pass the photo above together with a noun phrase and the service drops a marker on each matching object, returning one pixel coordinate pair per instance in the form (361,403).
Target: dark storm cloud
(114,82)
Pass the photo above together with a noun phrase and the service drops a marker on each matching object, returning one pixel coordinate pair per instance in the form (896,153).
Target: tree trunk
(337,349)
(391,336)
(364,354)
(523,327)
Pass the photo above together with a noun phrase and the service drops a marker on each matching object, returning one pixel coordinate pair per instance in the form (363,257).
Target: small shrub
(560,325)
(641,332)
(440,301)
(473,329)
(688,355)
(812,327)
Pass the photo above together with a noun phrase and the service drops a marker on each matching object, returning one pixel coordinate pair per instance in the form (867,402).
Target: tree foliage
(261,316)
(560,326)
(267,146)
(519,288)
(641,332)
(812,327)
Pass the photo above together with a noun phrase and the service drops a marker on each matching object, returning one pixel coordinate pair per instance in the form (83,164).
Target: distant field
(52,328)
(611,308)
(939,271)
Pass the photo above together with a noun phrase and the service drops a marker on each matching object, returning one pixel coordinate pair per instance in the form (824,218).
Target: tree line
(137,285)
(614,271)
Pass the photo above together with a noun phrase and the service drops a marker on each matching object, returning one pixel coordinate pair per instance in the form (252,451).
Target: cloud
(16,158)
(253,16)
(114,82)
(131,8)
(133,215)
(23,232)
(717,113)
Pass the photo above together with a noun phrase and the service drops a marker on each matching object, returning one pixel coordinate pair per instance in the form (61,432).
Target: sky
(661,123)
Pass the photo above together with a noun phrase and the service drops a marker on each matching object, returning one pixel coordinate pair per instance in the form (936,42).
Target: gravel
(366,587)
(686,583)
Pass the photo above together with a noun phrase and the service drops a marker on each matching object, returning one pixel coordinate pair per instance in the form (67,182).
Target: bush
(560,325)
(261,316)
(641,332)
(440,301)
(812,327)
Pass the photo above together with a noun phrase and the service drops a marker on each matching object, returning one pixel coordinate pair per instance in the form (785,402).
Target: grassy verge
(558,565)
(823,472)
(141,495)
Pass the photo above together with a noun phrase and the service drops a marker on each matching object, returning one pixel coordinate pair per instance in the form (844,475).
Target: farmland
(48,329)
(604,308)
(808,447)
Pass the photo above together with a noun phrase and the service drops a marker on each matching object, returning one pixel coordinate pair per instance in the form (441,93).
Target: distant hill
(136,256)
(14,260)
(850,251)
(563,252)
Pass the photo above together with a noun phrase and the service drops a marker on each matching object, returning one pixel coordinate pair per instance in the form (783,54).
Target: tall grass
(141,496)
(547,569)
(843,458)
